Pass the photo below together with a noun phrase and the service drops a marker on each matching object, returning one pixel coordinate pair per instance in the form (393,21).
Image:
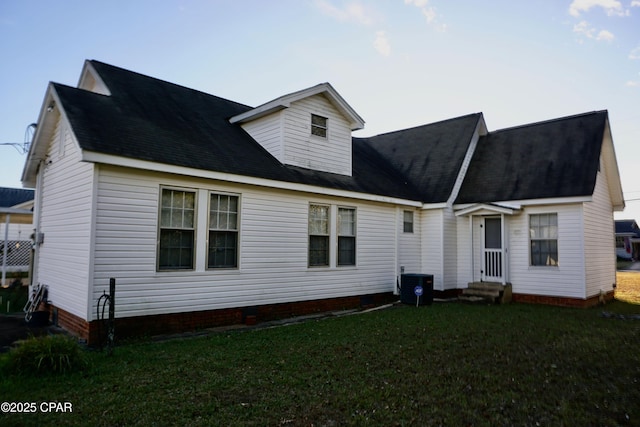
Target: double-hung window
(177,229)
(543,230)
(318,126)
(407,222)
(318,235)
(223,231)
(346,236)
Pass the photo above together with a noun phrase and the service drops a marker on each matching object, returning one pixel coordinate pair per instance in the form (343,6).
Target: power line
(23,147)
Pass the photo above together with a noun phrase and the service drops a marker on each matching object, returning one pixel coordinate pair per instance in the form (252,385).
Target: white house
(627,239)
(206,211)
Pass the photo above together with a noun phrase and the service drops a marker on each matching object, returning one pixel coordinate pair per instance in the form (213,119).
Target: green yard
(448,364)
(12,300)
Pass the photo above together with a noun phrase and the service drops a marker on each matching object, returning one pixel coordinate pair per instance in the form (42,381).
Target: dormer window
(318,126)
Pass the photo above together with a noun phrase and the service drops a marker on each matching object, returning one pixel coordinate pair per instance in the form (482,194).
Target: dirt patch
(14,328)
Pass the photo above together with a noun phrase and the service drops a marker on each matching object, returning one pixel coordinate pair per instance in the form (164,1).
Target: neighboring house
(627,239)
(207,211)
(16,227)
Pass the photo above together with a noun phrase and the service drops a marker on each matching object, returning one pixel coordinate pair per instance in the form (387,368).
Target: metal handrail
(38,295)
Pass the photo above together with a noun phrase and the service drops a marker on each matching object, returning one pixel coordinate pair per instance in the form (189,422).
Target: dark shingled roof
(429,156)
(10,197)
(627,226)
(149,119)
(555,158)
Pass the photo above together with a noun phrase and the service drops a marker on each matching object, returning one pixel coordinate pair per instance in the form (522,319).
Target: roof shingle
(555,158)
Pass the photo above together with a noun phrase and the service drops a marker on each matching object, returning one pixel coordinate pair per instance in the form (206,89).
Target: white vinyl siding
(301,148)
(599,239)
(565,280)
(432,245)
(272,249)
(466,267)
(288,136)
(64,258)
(409,250)
(449,249)
(267,131)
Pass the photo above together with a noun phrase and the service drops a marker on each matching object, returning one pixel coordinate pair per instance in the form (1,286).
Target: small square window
(318,126)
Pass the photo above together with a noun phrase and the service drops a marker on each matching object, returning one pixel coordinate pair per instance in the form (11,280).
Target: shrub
(46,354)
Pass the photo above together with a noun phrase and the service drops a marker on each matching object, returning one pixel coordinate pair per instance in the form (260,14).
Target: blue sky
(398,63)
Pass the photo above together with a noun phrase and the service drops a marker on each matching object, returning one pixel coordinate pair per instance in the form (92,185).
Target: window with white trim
(543,231)
(346,236)
(223,231)
(176,234)
(318,125)
(407,222)
(318,235)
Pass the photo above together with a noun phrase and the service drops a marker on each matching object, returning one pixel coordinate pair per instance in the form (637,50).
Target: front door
(492,259)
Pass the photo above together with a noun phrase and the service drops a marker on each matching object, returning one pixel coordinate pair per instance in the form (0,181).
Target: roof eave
(47,118)
(355,121)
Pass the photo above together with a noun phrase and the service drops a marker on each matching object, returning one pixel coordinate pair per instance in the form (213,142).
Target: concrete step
(489,292)
(493,286)
(481,293)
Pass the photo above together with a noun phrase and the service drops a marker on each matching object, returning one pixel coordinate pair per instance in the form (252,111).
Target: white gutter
(91,156)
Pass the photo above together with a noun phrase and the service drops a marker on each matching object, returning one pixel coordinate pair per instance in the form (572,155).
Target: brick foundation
(129,327)
(563,301)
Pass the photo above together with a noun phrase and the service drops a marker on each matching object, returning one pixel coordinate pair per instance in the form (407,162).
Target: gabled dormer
(310,128)
(90,80)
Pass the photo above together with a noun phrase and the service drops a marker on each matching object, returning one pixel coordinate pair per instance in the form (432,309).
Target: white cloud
(635,53)
(381,44)
(605,35)
(633,83)
(635,3)
(417,3)
(430,13)
(584,29)
(611,7)
(351,12)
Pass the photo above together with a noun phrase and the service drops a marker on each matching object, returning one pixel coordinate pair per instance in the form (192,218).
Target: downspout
(37,217)
(504,250)
(473,274)
(396,249)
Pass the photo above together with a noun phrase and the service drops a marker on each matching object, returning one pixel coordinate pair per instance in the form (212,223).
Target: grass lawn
(12,300)
(448,364)
(628,289)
